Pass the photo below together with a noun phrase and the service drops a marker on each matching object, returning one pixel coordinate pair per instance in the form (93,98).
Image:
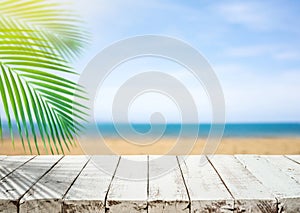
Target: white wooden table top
(219,183)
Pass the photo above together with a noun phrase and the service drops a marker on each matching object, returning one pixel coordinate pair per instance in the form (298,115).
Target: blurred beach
(173,139)
(268,146)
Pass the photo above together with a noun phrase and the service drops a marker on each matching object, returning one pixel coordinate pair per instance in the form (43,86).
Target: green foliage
(38,38)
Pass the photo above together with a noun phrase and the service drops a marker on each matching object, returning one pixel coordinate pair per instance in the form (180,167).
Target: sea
(239,130)
(231,130)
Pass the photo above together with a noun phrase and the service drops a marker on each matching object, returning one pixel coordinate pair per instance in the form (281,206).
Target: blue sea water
(173,130)
(231,129)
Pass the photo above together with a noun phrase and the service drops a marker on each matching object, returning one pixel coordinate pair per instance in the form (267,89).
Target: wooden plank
(38,184)
(207,191)
(295,158)
(286,189)
(249,194)
(10,163)
(289,167)
(167,191)
(128,190)
(46,195)
(16,184)
(88,192)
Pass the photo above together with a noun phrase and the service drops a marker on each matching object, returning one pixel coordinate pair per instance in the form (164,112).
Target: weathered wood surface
(206,189)
(167,190)
(295,158)
(249,194)
(2,157)
(17,183)
(47,194)
(286,189)
(88,192)
(9,164)
(128,189)
(220,183)
(288,166)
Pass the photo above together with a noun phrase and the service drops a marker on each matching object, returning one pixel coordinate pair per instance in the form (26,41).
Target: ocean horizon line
(205,123)
(247,130)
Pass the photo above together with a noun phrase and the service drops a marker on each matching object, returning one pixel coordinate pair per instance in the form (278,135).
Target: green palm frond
(37,39)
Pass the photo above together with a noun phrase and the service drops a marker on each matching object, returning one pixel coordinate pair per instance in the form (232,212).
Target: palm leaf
(37,39)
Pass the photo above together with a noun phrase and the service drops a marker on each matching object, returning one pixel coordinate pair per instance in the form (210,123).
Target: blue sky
(253,46)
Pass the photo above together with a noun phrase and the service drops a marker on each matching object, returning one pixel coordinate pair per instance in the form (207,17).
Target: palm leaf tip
(37,40)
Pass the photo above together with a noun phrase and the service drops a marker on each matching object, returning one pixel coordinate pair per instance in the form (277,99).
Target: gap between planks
(18,205)
(292,159)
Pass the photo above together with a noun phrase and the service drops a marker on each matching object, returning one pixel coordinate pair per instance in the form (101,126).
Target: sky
(253,47)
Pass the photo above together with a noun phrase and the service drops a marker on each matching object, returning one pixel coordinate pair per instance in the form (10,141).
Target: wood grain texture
(46,195)
(88,192)
(249,194)
(167,191)
(9,164)
(108,184)
(128,190)
(17,183)
(286,189)
(207,191)
(295,158)
(289,167)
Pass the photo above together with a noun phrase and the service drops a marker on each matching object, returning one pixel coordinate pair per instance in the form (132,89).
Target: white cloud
(288,55)
(253,97)
(246,51)
(261,15)
(249,14)
(276,51)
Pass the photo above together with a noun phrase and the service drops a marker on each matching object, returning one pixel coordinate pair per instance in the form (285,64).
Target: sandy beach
(227,146)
